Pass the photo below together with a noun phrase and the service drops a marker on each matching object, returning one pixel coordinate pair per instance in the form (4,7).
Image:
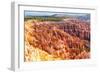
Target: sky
(42,13)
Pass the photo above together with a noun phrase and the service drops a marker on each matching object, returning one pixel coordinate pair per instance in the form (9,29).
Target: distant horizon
(47,13)
(80,16)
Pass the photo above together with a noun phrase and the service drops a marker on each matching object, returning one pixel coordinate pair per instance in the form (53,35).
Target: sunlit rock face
(68,39)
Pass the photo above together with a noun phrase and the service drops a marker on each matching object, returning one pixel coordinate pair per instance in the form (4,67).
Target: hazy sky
(41,13)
